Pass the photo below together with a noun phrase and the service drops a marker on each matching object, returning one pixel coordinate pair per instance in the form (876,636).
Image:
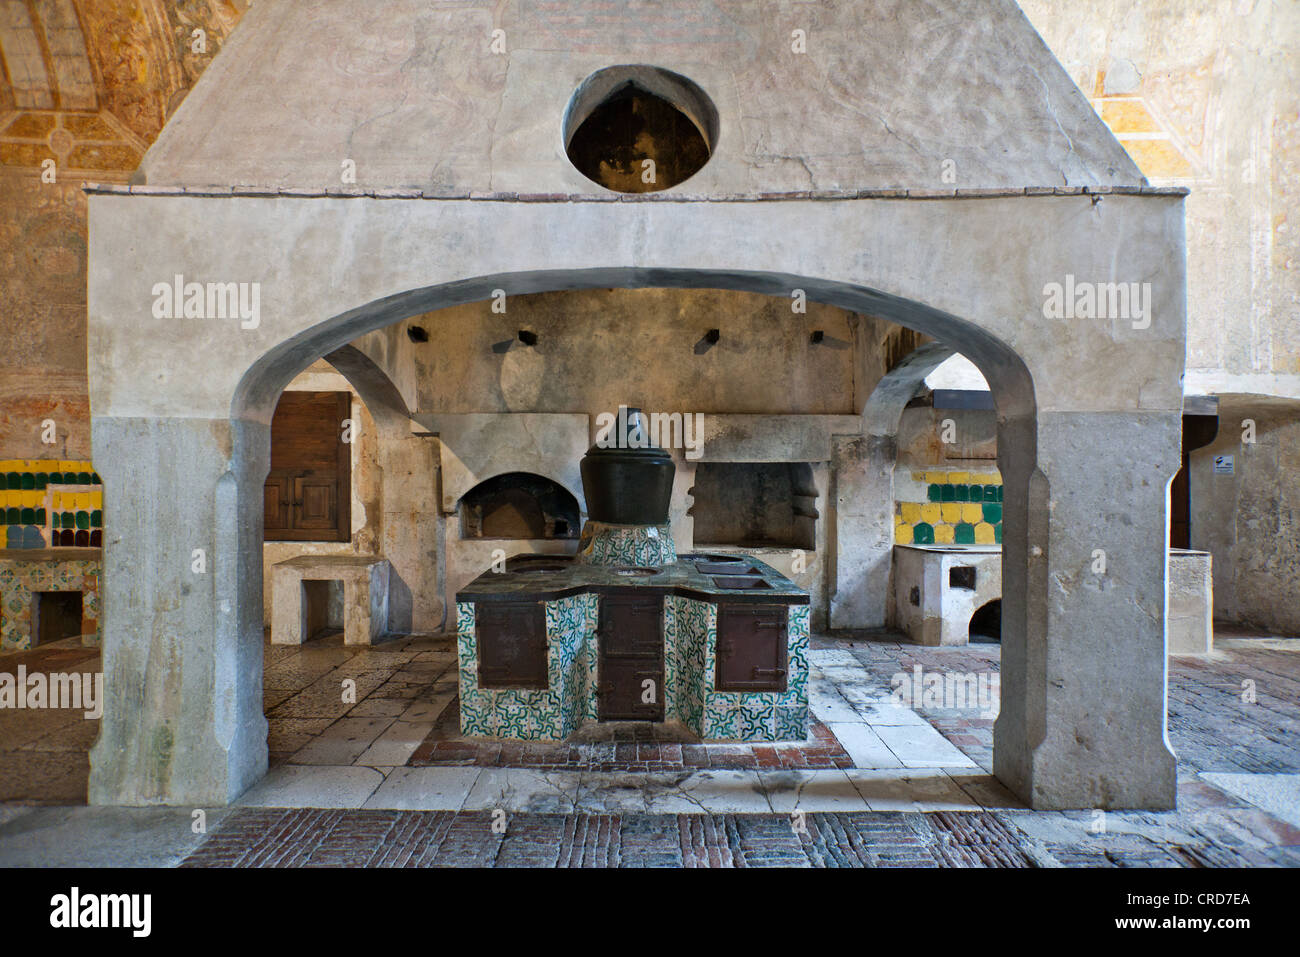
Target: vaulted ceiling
(89,83)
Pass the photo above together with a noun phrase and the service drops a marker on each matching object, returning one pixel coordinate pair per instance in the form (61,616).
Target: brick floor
(318,838)
(1237,711)
(310,838)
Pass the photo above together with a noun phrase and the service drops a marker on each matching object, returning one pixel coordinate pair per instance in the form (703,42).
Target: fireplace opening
(322,607)
(755,504)
(519,505)
(55,615)
(986,624)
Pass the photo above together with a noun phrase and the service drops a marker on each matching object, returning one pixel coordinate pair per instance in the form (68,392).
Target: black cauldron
(626,479)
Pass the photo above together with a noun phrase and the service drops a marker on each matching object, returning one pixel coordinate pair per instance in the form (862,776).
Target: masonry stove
(626,630)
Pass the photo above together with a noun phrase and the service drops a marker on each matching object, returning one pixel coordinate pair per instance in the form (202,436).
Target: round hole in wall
(639,129)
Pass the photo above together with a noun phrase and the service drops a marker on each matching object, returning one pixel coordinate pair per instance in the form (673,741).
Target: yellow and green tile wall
(936,507)
(46,503)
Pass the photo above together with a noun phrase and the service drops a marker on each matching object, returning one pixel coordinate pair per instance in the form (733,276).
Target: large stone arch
(1082,723)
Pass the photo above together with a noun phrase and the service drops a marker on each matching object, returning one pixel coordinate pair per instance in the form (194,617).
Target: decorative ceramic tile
(947,508)
(19,579)
(690,640)
(40,500)
(642,545)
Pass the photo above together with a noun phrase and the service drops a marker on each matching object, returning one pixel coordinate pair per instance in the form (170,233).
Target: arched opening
(238,491)
(986,624)
(519,506)
(639,129)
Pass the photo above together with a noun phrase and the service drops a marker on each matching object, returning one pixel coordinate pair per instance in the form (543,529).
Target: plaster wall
(600,348)
(1250,520)
(1206,94)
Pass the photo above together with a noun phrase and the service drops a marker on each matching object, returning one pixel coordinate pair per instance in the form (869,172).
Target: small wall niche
(55,615)
(755,505)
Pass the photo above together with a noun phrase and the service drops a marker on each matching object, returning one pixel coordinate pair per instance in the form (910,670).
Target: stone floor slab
(517,789)
(424,789)
(917,790)
(865,746)
(1279,794)
(305,785)
(922,747)
(811,791)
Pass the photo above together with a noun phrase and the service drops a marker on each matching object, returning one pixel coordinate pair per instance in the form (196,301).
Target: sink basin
(726,568)
(741,584)
(633,571)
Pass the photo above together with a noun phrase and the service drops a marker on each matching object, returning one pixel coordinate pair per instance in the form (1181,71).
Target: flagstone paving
(368,767)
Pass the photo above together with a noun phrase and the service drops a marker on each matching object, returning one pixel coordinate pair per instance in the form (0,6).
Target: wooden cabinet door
(752,650)
(315,502)
(630,670)
(308,490)
(275,505)
(511,644)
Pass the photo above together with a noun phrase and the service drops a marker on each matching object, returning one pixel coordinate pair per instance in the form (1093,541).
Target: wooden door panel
(315,502)
(309,489)
(275,503)
(631,647)
(511,645)
(752,652)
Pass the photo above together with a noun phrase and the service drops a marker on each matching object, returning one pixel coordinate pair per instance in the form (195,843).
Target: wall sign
(1223,464)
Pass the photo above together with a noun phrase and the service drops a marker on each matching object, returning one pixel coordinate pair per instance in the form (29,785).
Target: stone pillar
(182,653)
(1084,671)
(864,531)
(410,534)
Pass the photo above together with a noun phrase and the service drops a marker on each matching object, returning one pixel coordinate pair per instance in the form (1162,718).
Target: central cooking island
(626,630)
(716,644)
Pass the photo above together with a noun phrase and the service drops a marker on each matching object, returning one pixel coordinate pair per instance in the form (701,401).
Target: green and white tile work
(549,714)
(763,715)
(642,545)
(690,629)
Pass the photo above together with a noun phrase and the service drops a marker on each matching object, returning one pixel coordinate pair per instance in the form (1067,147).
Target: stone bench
(937,588)
(300,595)
(1191,602)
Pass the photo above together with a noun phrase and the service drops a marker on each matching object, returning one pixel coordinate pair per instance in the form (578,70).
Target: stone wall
(1206,94)
(1249,520)
(598,349)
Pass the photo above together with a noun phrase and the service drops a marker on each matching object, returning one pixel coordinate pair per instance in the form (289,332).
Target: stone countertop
(683,578)
(327,561)
(957,549)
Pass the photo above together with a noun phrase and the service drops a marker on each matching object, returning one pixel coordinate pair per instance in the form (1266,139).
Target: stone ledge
(343,192)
